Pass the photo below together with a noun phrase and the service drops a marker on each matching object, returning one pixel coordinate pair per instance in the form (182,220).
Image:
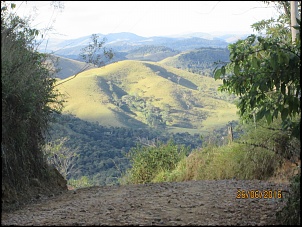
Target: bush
(148,161)
(28,100)
(82,182)
(226,162)
(290,214)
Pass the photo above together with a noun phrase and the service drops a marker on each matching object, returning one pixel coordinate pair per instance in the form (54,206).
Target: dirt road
(175,203)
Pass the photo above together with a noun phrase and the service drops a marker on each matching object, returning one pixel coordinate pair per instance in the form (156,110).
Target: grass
(225,162)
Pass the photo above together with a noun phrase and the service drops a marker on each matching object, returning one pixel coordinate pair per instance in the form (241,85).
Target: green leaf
(260,114)
(269,117)
(236,69)
(223,70)
(255,62)
(274,61)
(217,74)
(252,102)
(275,114)
(283,89)
(284,114)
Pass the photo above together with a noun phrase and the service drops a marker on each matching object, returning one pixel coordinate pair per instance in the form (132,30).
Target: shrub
(82,182)
(148,161)
(28,100)
(291,213)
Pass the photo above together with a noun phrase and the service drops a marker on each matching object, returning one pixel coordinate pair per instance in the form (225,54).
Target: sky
(145,18)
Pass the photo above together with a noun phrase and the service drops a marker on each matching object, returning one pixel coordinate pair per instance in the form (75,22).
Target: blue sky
(145,18)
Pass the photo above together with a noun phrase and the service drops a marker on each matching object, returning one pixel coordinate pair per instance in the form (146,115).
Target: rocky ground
(171,204)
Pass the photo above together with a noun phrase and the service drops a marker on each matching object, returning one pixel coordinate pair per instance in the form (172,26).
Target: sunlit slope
(67,67)
(138,93)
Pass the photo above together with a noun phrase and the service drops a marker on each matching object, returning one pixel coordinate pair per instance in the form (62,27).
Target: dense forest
(102,151)
(202,61)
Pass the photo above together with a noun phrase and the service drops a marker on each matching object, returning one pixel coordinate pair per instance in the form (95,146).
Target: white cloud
(148,18)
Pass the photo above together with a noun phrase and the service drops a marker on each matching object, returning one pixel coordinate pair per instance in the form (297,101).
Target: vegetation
(200,61)
(149,161)
(256,154)
(127,94)
(151,53)
(291,213)
(60,156)
(126,139)
(82,182)
(28,100)
(264,71)
(99,152)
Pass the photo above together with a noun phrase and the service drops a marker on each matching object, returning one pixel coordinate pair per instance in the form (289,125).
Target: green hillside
(201,61)
(139,94)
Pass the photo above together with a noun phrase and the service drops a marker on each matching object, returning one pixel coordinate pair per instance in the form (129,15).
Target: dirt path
(182,203)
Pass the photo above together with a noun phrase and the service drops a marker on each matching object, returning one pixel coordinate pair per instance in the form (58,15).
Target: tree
(61,156)
(28,101)
(91,55)
(264,71)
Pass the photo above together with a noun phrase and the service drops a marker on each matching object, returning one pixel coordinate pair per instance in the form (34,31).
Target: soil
(167,204)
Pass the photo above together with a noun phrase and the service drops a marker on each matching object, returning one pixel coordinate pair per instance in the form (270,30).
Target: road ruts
(164,204)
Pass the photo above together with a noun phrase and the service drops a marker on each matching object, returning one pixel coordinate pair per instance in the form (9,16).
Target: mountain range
(126,42)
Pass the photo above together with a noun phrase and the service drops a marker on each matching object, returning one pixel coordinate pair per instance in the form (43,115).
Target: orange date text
(258,194)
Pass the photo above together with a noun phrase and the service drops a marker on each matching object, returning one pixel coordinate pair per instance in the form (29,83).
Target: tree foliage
(28,99)
(264,71)
(102,150)
(91,53)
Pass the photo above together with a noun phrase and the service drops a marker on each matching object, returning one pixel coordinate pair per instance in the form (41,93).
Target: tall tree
(264,71)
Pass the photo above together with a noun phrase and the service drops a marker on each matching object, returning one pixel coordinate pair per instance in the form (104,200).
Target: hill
(140,94)
(201,60)
(67,67)
(151,53)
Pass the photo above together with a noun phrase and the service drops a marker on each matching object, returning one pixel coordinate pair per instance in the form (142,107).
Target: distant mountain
(125,44)
(202,61)
(128,41)
(231,38)
(194,34)
(151,53)
(141,94)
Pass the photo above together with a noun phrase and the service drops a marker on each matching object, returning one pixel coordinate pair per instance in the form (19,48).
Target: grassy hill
(139,94)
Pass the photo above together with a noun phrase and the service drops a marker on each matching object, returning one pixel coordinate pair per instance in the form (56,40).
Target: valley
(148,91)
